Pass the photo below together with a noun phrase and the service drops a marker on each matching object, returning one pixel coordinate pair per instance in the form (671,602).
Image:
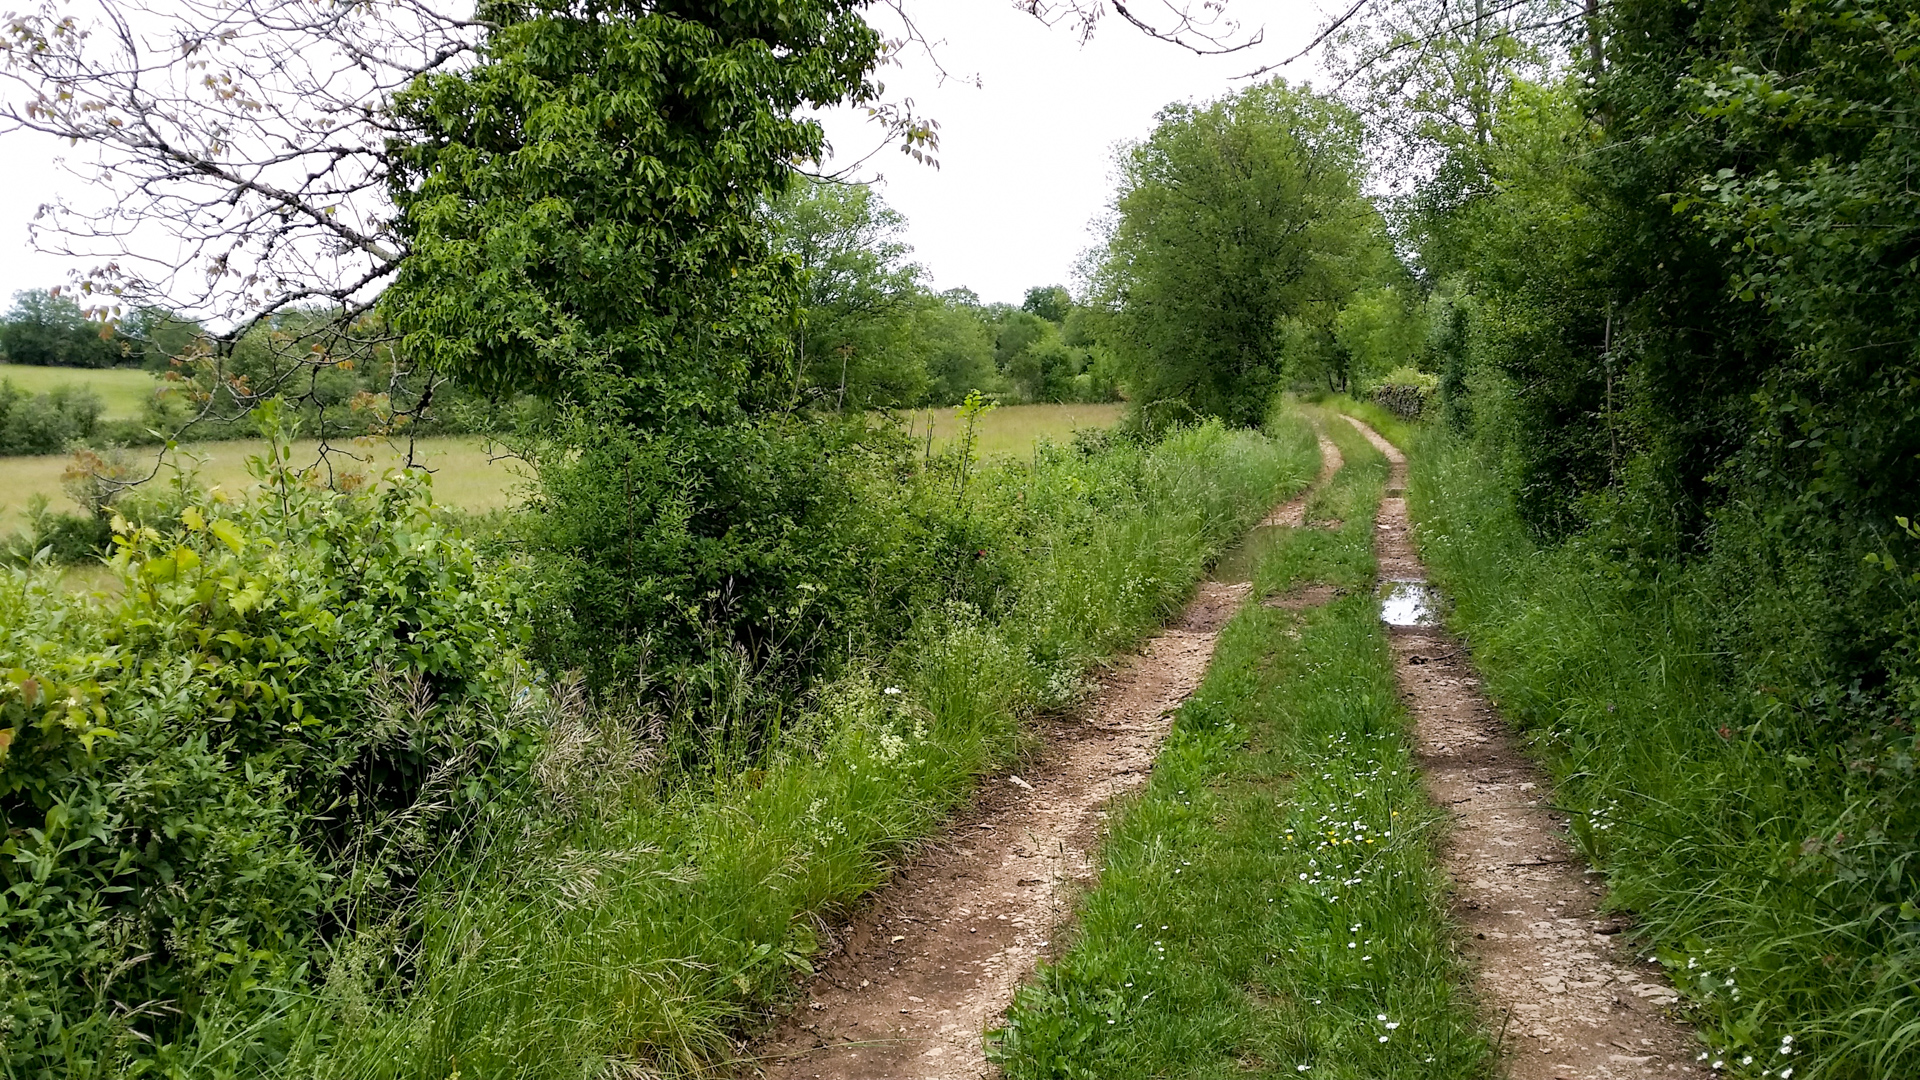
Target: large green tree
(1231,219)
(586,206)
(858,296)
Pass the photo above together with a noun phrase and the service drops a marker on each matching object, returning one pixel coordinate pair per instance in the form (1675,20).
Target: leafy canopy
(585,206)
(1231,219)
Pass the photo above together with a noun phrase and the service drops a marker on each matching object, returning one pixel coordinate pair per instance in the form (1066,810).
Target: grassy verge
(643,924)
(1269,906)
(1759,871)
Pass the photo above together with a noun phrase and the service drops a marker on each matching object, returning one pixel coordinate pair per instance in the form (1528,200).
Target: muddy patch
(1304,597)
(1408,604)
(1568,1002)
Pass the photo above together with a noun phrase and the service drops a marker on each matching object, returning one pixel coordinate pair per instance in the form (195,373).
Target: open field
(1013,429)
(465,477)
(122,390)
(463,474)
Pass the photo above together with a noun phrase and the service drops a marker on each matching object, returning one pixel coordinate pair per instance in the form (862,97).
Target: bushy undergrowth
(1759,819)
(252,747)
(46,423)
(287,800)
(1270,904)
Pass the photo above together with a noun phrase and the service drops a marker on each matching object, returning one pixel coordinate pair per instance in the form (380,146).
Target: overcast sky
(1025,156)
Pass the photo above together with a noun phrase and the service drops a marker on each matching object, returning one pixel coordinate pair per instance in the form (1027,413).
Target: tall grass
(639,924)
(1763,867)
(1270,905)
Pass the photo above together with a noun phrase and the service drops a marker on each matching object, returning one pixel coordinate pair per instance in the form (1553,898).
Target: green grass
(1758,873)
(1270,902)
(1012,429)
(643,930)
(465,475)
(124,391)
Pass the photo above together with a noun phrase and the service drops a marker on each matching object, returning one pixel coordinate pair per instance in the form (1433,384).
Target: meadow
(468,471)
(124,391)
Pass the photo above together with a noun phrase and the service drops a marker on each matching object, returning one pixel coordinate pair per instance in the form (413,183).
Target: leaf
(190,517)
(6,740)
(229,534)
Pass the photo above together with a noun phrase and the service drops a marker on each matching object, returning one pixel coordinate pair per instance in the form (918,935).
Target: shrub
(288,708)
(46,423)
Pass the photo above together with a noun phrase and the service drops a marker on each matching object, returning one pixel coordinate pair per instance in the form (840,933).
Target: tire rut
(935,959)
(1568,1001)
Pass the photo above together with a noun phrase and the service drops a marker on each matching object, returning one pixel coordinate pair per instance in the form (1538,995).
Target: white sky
(1025,157)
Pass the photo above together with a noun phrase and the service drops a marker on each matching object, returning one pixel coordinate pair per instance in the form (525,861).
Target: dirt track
(936,959)
(1569,1004)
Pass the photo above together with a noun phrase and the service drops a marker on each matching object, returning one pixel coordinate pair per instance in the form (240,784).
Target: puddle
(1409,603)
(1236,566)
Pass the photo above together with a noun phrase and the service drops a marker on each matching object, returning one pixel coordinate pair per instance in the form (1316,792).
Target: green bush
(46,423)
(260,742)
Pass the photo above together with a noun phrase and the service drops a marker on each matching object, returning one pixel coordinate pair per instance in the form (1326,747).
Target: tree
(1230,219)
(48,328)
(858,295)
(1051,302)
(958,343)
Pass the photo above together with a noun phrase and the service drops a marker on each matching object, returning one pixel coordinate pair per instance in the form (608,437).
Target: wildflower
(1300,1068)
(1383,1038)
(891,691)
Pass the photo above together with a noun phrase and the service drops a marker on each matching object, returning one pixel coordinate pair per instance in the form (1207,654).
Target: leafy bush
(46,423)
(287,710)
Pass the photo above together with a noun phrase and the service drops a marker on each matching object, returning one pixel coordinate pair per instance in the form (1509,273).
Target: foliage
(1232,219)
(1766,852)
(48,328)
(46,423)
(285,712)
(858,295)
(637,928)
(585,205)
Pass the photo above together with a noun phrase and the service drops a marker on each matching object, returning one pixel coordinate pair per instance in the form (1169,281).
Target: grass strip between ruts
(1270,905)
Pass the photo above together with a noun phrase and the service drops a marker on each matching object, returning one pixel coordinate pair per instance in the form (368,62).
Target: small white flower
(1383,1038)
(1393,1025)
(1382,1017)
(1748,1060)
(1786,1072)
(890,691)
(1300,1068)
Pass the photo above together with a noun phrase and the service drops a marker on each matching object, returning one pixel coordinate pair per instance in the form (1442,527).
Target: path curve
(1568,1002)
(936,958)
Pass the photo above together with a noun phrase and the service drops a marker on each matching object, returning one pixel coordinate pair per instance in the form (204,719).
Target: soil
(935,959)
(1294,512)
(1569,1000)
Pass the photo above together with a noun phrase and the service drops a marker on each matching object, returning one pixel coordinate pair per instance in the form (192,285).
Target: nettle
(290,706)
